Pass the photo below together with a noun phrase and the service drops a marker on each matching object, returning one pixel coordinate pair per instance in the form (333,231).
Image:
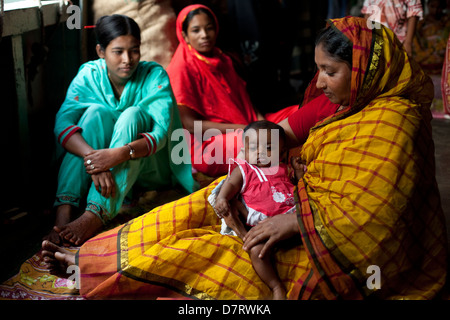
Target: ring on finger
(89,161)
(92,167)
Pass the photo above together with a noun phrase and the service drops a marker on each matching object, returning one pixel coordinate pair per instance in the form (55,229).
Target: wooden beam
(22,104)
(18,20)
(21,20)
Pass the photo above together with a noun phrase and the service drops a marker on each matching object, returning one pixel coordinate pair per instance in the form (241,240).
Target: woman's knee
(133,117)
(96,114)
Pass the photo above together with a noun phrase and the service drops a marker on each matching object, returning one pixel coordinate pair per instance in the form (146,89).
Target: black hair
(442,3)
(110,27)
(193,13)
(269,125)
(335,44)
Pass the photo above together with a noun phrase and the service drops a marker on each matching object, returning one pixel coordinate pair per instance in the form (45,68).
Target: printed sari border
(331,292)
(140,275)
(309,281)
(372,65)
(323,280)
(168,283)
(339,258)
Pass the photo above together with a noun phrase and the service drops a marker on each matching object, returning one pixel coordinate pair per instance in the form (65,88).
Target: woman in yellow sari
(369,220)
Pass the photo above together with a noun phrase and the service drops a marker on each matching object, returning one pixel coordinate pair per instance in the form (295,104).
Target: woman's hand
(102,160)
(271,231)
(104,183)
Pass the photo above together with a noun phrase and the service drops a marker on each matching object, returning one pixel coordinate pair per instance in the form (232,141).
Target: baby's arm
(230,188)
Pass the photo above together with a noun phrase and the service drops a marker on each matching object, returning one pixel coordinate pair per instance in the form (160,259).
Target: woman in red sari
(208,89)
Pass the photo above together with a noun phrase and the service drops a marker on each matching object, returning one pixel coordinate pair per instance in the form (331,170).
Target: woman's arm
(270,231)
(98,163)
(298,124)
(291,139)
(77,145)
(105,159)
(101,160)
(410,31)
(188,116)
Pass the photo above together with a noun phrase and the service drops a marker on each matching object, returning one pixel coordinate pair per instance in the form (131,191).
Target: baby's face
(260,149)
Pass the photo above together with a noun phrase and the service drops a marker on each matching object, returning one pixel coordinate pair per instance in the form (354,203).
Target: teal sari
(146,109)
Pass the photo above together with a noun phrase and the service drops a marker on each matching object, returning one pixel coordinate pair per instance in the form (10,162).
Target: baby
(265,190)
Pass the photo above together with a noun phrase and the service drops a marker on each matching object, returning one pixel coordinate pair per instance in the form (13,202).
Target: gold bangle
(132,152)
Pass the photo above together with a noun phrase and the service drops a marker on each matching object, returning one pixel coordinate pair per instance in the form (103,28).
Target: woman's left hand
(103,159)
(271,231)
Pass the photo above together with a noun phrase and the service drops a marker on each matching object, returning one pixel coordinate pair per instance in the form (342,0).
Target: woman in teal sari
(115,126)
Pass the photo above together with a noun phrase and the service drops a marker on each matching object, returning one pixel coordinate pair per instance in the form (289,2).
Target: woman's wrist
(124,153)
(131,151)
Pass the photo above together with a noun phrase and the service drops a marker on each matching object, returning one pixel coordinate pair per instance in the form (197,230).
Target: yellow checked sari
(368,208)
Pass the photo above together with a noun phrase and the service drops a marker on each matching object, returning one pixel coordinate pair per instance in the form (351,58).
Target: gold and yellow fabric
(370,184)
(177,250)
(368,207)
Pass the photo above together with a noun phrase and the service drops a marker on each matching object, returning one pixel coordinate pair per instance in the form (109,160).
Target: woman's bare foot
(63,217)
(57,258)
(81,229)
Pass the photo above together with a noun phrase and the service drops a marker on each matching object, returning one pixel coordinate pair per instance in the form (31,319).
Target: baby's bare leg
(234,222)
(240,207)
(266,271)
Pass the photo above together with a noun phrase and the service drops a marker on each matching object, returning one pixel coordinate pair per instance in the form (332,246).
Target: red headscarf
(208,85)
(356,31)
(371,66)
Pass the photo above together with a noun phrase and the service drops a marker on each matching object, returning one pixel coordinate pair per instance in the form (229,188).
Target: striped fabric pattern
(177,250)
(370,186)
(369,199)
